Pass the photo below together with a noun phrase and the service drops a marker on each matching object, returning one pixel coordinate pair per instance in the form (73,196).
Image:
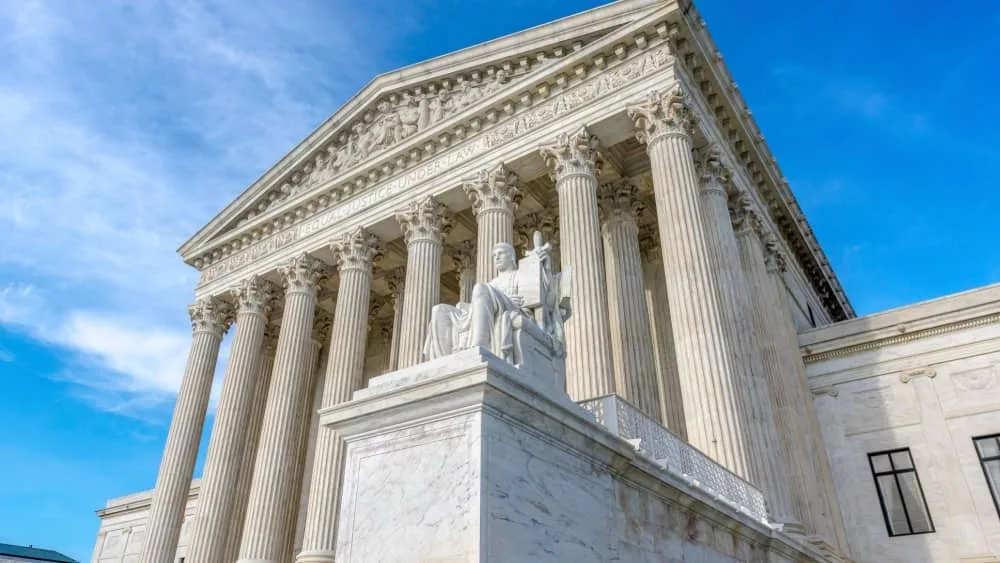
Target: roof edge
(613,14)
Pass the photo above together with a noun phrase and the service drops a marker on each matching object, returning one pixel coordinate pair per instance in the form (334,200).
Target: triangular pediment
(400,105)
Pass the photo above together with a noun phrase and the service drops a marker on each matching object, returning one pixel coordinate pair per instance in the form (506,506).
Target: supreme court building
(722,401)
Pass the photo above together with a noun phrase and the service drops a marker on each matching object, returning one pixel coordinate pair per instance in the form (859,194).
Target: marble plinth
(468,458)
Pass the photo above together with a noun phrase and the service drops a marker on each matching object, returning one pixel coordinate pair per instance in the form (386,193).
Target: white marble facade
(473,460)
(619,135)
(927,378)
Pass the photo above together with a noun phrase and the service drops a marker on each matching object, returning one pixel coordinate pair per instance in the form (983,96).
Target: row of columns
(739,372)
(710,361)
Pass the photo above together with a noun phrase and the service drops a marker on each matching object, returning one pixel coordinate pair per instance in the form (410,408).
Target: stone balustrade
(677,456)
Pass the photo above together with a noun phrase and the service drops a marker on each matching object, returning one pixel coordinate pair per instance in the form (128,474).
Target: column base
(323,556)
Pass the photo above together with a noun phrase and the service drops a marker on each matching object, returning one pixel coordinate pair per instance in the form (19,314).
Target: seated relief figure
(518,315)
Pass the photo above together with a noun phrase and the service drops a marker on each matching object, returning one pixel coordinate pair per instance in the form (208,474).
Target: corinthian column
(220,477)
(254,422)
(424,223)
(784,396)
(495,197)
(272,489)
(395,280)
(631,345)
(464,257)
(658,304)
(825,510)
(356,253)
(209,319)
(321,333)
(707,372)
(573,160)
(769,468)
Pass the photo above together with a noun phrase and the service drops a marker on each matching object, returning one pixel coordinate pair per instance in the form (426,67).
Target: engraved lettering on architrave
(506,131)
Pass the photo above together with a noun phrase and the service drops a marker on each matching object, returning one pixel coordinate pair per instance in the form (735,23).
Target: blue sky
(126,125)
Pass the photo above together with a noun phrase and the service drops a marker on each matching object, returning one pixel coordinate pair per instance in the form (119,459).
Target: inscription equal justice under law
(546,112)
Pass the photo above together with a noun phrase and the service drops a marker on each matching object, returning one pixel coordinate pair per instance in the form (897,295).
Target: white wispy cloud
(125,126)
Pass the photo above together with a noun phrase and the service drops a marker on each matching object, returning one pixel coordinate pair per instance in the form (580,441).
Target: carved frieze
(322,212)
(397,116)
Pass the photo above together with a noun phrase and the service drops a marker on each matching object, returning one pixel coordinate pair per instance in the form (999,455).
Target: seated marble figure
(518,315)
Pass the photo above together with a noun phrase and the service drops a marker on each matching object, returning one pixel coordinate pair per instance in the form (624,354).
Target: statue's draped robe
(452,328)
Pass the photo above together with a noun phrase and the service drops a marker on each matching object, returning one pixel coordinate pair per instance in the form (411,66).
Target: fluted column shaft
(343,376)
(573,160)
(423,223)
(272,490)
(385,335)
(220,477)
(495,196)
(312,432)
(396,286)
(308,400)
(706,370)
(173,483)
(824,506)
(769,466)
(664,357)
(746,222)
(631,342)
(255,420)
(464,257)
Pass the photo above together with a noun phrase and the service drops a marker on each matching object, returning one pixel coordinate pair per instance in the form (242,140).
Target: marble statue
(518,315)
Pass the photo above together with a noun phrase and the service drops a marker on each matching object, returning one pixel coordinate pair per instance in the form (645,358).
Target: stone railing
(676,456)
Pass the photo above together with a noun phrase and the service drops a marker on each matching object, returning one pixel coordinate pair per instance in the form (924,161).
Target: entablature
(310,192)
(396,108)
(593,73)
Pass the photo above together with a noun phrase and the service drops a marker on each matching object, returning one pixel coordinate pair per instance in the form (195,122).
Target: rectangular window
(903,505)
(988,448)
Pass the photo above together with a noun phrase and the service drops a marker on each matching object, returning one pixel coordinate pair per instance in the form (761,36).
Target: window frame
(994,492)
(899,490)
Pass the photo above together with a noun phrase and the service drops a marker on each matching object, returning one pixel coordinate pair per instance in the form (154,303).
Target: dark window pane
(895,512)
(881,463)
(993,475)
(901,460)
(920,520)
(903,504)
(988,447)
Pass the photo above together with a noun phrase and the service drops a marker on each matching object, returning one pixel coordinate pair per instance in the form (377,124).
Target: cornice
(702,60)
(962,311)
(508,51)
(139,501)
(365,185)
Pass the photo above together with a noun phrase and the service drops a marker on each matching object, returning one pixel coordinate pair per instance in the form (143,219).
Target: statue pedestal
(468,459)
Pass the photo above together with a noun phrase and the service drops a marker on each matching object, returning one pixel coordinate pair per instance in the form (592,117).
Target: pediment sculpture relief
(518,316)
(394,119)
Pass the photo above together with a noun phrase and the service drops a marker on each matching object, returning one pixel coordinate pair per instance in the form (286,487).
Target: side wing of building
(909,405)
